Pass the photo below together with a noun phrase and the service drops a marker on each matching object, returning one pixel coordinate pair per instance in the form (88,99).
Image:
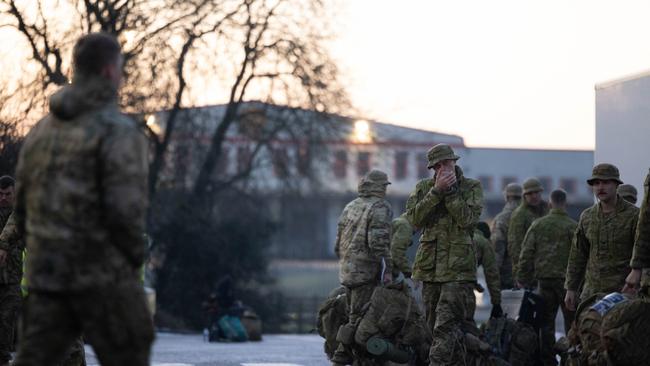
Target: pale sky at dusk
(499,73)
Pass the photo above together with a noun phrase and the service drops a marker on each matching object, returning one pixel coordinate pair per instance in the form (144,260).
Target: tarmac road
(275,350)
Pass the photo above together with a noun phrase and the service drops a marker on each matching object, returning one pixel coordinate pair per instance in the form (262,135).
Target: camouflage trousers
(447,308)
(504,262)
(114,319)
(553,292)
(10,303)
(357,298)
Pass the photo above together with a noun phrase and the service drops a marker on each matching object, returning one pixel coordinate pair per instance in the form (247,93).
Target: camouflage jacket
(363,239)
(521,219)
(81,196)
(486,258)
(12,272)
(602,249)
(499,231)
(447,219)
(545,251)
(401,240)
(641,254)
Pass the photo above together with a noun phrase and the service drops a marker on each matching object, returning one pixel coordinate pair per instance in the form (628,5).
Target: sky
(499,73)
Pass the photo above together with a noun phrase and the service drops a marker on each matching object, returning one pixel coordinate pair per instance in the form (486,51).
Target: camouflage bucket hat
(605,171)
(532,185)
(627,190)
(439,153)
(513,190)
(377,177)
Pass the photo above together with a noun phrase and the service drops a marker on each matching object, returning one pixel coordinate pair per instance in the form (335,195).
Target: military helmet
(605,171)
(376,176)
(628,192)
(439,153)
(513,190)
(532,185)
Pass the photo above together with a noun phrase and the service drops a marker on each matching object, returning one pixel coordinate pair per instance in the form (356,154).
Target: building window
(569,185)
(486,183)
(340,164)
(363,163)
(547,183)
(281,163)
(243,159)
(507,180)
(401,165)
(422,163)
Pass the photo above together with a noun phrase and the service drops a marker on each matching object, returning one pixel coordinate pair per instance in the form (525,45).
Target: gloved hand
(497,312)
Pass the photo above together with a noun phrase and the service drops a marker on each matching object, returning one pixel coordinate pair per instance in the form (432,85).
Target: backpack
(512,341)
(624,333)
(332,314)
(230,328)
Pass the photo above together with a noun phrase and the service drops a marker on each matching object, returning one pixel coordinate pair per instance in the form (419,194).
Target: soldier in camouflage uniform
(641,255)
(544,257)
(531,208)
(363,249)
(627,192)
(499,236)
(603,242)
(401,240)
(81,205)
(486,258)
(446,208)
(10,273)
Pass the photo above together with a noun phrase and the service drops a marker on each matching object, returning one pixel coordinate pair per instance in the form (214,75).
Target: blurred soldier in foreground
(11,271)
(401,240)
(499,236)
(363,247)
(604,240)
(446,207)
(641,254)
(544,257)
(531,208)
(486,258)
(627,192)
(81,204)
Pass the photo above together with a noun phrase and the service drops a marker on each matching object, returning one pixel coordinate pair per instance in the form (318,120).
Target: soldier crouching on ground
(81,204)
(363,247)
(446,208)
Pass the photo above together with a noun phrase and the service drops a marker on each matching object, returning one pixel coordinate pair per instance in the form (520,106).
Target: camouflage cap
(439,153)
(605,171)
(513,190)
(532,185)
(376,176)
(628,192)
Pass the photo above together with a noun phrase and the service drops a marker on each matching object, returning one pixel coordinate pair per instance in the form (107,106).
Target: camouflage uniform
(544,257)
(10,276)
(499,236)
(641,253)
(602,249)
(81,202)
(627,192)
(446,258)
(521,219)
(401,240)
(363,246)
(486,258)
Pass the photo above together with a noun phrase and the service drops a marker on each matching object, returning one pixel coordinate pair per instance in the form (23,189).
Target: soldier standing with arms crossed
(363,248)
(604,240)
(81,205)
(499,237)
(544,257)
(446,207)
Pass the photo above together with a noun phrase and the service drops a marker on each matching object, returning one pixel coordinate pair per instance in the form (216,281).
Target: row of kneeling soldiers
(594,266)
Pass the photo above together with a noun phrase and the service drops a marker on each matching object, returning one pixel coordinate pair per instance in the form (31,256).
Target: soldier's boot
(342,356)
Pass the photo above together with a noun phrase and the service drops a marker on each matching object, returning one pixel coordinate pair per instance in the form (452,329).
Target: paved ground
(274,350)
